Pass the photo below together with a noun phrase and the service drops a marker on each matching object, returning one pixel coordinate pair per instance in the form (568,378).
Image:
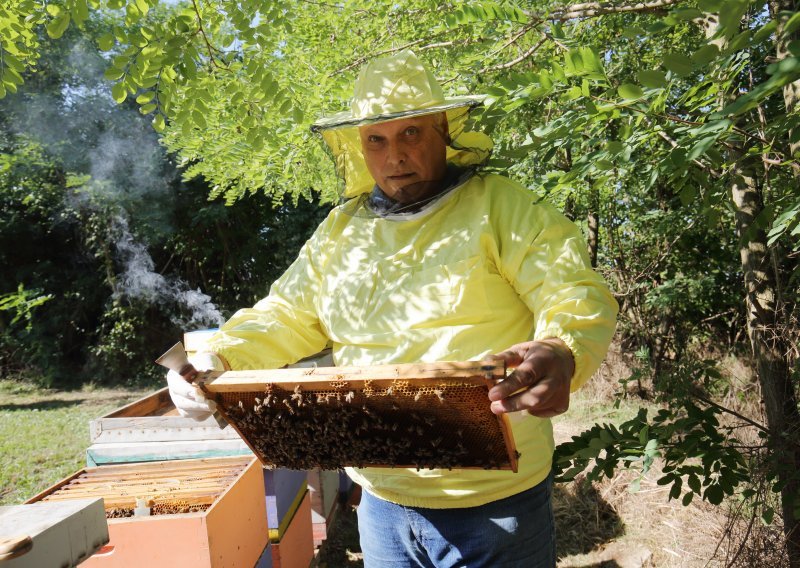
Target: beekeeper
(430,259)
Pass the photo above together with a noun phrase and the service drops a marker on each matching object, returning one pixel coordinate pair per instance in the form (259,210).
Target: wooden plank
(154,418)
(126,452)
(423,374)
(148,405)
(157,429)
(192,465)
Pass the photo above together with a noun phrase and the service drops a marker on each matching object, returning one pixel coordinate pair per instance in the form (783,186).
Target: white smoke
(139,280)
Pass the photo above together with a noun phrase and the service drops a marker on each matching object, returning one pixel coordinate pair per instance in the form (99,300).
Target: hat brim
(347,120)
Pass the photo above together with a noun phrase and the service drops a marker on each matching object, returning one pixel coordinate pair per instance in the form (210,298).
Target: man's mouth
(400,177)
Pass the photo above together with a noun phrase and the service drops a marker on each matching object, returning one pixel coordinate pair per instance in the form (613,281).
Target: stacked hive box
(205,513)
(150,429)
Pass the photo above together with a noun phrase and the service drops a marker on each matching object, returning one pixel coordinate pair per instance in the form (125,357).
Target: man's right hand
(189,399)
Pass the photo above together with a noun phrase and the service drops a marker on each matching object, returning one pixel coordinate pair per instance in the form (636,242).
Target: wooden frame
(374,389)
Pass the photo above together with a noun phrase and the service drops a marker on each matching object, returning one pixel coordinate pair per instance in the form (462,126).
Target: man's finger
(521,378)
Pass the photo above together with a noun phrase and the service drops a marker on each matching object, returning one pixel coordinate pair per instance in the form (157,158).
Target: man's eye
(412,131)
(373,139)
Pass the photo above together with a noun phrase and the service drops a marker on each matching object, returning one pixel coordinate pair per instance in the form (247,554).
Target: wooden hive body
(205,513)
(421,415)
(150,429)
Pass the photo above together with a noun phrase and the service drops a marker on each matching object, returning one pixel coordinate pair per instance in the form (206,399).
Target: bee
(350,396)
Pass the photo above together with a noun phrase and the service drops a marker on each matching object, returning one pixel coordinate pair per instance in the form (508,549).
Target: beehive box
(425,416)
(323,487)
(206,513)
(295,547)
(52,534)
(150,429)
(285,490)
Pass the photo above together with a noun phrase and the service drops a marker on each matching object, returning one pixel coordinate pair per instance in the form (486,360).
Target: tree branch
(594,9)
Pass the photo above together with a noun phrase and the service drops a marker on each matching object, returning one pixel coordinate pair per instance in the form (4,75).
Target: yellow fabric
(479,270)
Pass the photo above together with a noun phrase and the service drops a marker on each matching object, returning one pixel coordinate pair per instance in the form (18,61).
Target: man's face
(406,157)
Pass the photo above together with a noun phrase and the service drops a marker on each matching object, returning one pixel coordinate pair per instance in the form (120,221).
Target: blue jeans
(511,532)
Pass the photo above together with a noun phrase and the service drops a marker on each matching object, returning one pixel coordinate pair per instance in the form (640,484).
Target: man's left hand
(541,379)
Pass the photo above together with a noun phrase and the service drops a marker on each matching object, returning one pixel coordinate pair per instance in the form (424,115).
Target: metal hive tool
(417,415)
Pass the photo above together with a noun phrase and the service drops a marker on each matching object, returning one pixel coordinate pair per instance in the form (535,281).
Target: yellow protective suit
(477,271)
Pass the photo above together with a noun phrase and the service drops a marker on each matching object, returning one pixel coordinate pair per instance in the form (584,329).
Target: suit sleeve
(546,261)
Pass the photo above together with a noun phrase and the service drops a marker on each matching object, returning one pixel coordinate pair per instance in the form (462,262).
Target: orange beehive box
(205,513)
(295,548)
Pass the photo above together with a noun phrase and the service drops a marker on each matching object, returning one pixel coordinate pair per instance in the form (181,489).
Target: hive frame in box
(407,415)
(229,529)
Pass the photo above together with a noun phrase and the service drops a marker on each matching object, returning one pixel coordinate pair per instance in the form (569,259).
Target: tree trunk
(593,224)
(767,341)
(791,92)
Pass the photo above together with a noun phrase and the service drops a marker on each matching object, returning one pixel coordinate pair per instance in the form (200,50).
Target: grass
(44,434)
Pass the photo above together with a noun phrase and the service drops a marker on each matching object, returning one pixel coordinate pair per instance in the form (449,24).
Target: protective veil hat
(392,88)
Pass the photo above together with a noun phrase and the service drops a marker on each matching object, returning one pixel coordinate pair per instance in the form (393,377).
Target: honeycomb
(168,487)
(380,423)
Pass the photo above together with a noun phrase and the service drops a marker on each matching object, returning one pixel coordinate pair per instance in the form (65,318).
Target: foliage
(21,303)
(701,455)
(95,216)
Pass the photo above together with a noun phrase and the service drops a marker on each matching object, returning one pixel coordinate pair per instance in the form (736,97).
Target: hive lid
(433,415)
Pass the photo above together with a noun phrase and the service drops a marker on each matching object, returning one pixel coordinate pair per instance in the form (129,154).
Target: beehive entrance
(338,418)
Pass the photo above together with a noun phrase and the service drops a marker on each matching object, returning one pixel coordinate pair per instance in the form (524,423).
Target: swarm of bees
(395,425)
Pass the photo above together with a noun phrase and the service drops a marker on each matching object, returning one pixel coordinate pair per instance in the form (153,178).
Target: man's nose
(395,153)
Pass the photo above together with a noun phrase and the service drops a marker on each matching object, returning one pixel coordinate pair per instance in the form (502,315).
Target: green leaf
(768,516)
(58,25)
(675,491)
(678,63)
(705,54)
(147,109)
(652,79)
(112,73)
(158,123)
(714,494)
(632,32)
(119,93)
(687,498)
(630,91)
(792,25)
(710,6)
(687,14)
(700,147)
(145,97)
(106,41)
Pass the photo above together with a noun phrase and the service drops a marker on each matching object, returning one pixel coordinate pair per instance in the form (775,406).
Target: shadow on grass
(584,520)
(42,405)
